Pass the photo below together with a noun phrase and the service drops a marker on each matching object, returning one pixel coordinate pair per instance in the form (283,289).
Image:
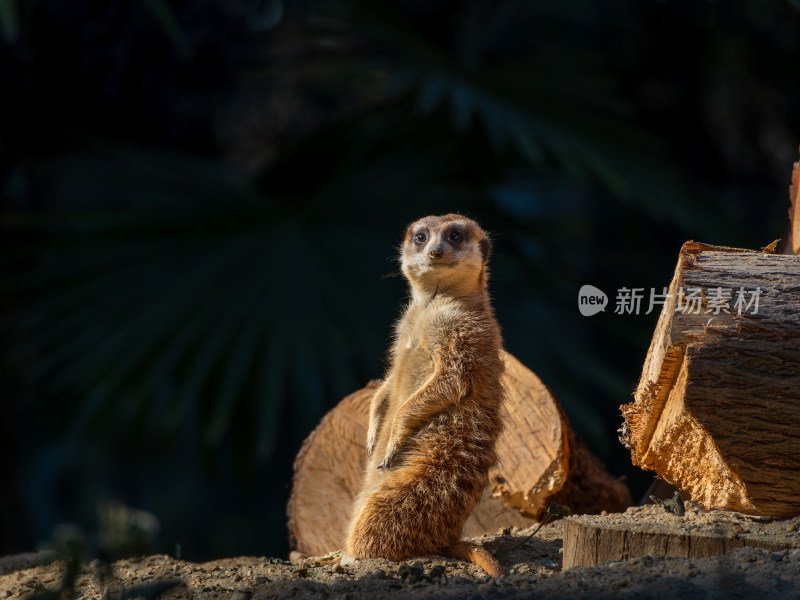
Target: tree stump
(717,409)
(541,459)
(649,531)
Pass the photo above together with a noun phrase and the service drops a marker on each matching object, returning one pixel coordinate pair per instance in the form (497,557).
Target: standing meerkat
(435,420)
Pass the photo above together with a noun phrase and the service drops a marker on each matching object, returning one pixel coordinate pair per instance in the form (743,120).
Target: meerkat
(435,419)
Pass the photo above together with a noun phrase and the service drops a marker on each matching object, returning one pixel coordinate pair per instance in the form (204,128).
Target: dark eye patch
(456,235)
(420,237)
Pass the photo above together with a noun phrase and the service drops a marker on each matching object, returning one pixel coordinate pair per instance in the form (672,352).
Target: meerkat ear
(486,248)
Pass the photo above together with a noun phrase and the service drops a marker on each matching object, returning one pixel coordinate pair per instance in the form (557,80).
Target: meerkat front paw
(371,441)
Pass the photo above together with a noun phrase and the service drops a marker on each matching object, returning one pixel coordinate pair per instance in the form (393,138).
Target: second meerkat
(435,420)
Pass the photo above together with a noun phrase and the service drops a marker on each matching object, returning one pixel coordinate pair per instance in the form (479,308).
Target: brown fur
(435,420)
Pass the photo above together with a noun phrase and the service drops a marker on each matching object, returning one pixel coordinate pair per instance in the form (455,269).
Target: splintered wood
(541,459)
(717,409)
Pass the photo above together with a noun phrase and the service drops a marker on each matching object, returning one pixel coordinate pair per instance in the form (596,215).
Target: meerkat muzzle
(435,254)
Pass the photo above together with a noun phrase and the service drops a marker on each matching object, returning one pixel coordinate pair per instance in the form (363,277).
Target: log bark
(541,459)
(716,412)
(590,541)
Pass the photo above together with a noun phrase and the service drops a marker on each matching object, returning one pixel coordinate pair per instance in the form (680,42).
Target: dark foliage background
(201,203)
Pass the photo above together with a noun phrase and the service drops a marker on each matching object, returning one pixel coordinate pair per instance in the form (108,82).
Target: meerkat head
(445,254)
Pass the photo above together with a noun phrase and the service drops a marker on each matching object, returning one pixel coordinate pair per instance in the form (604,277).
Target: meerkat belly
(461,437)
(413,369)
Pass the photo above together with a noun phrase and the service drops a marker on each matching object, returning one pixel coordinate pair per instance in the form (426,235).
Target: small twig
(554,510)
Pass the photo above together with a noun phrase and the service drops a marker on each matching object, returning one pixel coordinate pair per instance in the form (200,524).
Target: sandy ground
(533,571)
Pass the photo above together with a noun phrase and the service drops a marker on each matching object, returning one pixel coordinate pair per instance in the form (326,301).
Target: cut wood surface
(716,412)
(650,531)
(541,459)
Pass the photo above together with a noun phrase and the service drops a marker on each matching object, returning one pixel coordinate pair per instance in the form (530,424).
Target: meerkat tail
(477,555)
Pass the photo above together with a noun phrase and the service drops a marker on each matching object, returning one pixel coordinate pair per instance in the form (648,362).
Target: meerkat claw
(387,462)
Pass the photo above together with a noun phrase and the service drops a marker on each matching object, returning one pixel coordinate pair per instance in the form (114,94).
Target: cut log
(649,531)
(716,412)
(793,243)
(541,459)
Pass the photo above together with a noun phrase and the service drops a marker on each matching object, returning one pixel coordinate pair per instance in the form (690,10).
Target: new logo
(591,300)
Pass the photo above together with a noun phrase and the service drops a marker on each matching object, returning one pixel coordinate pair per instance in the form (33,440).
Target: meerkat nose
(435,253)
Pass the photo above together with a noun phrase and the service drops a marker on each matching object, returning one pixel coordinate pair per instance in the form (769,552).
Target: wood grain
(591,541)
(716,409)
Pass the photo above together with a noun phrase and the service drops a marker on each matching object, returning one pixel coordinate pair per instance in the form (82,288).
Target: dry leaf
(771,248)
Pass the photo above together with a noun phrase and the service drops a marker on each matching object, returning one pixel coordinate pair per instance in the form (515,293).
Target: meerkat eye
(456,235)
(420,237)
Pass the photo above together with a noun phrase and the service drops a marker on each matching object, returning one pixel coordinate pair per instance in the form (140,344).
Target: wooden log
(717,409)
(590,540)
(792,245)
(541,459)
